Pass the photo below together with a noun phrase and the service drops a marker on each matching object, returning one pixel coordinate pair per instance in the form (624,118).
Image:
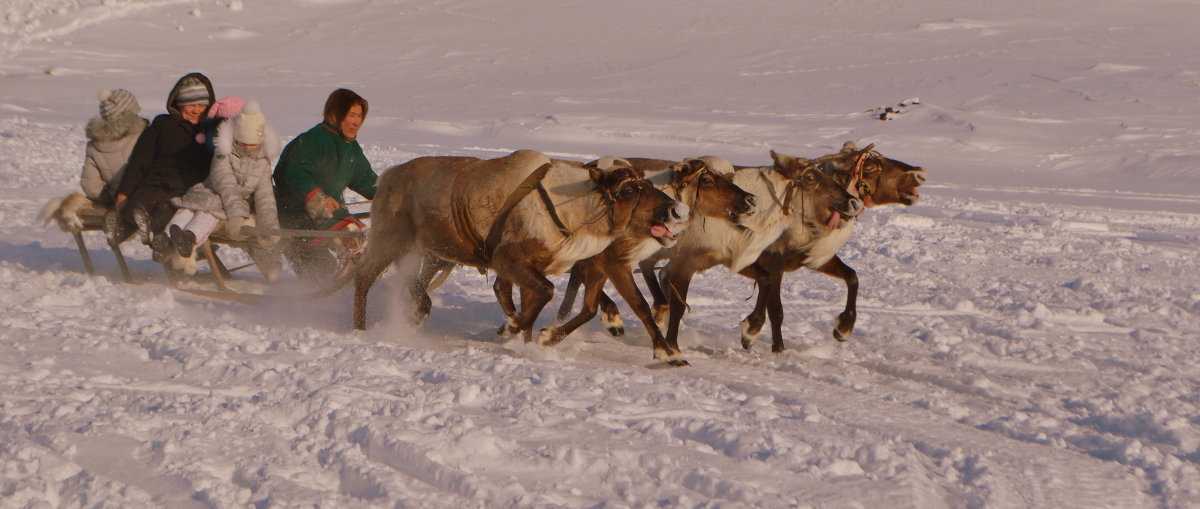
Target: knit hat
(192,91)
(227,107)
(249,126)
(115,102)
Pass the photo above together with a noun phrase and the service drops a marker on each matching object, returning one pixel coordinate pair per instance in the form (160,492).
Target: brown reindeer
(878,180)
(468,211)
(794,196)
(710,195)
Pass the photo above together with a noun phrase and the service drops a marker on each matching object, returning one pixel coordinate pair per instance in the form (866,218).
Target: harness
(484,248)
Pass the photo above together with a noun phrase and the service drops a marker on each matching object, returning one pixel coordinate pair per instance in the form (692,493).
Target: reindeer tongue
(659,230)
(834,220)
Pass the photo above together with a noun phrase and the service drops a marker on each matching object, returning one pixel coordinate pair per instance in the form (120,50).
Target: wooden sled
(76,214)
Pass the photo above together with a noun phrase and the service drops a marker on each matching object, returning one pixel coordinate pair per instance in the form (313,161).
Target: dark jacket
(167,155)
(320,160)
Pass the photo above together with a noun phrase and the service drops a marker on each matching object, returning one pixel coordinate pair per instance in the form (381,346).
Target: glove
(319,205)
(234,225)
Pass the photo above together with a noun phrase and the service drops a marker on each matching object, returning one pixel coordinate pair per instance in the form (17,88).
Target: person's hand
(122,199)
(319,205)
(234,227)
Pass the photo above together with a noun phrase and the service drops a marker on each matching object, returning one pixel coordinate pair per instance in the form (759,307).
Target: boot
(159,244)
(184,240)
(112,227)
(142,220)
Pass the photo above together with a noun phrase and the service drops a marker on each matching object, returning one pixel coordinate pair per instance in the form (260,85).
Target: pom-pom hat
(250,125)
(116,102)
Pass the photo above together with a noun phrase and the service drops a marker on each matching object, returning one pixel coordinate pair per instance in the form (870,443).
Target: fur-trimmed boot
(142,219)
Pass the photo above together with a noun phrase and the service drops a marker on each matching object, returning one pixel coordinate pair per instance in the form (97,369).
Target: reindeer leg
(622,279)
(419,287)
(503,289)
(775,309)
(678,280)
(584,273)
(662,304)
(753,323)
(569,294)
(372,264)
(610,315)
(845,322)
(536,292)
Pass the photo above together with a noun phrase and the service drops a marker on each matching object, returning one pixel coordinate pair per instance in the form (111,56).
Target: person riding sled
(111,138)
(238,190)
(166,161)
(313,173)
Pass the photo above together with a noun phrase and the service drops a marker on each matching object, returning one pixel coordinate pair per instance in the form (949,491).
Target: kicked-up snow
(1027,333)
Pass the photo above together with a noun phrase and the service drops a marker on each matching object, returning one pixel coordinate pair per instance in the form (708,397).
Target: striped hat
(191,92)
(116,102)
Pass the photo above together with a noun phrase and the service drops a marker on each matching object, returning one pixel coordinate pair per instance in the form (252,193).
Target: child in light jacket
(111,137)
(245,150)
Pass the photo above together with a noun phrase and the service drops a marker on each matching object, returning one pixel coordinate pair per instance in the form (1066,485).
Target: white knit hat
(249,126)
(115,102)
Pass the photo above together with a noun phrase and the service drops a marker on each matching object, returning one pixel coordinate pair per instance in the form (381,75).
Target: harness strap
(531,182)
(562,228)
(786,204)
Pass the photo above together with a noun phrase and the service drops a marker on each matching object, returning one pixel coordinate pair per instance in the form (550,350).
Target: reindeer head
(880,180)
(634,206)
(820,199)
(710,193)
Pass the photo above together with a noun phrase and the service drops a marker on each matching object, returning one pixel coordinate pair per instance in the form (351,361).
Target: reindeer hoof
(842,337)
(550,336)
(613,323)
(749,336)
(674,359)
(776,348)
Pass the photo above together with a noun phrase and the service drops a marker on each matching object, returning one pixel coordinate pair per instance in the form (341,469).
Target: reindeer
(878,180)
(482,213)
(802,199)
(710,195)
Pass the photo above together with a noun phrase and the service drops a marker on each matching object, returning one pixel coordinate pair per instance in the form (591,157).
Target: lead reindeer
(878,180)
(793,196)
(710,195)
(469,211)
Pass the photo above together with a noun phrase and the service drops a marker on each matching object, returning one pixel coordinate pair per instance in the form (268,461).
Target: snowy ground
(1026,338)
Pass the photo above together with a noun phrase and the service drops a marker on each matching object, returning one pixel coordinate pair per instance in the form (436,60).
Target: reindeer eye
(627,192)
(706,180)
(809,179)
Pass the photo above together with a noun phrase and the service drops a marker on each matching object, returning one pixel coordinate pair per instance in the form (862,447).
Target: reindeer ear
(785,163)
(596,174)
(849,147)
(690,167)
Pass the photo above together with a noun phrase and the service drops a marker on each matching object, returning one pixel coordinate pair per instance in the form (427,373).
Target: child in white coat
(245,150)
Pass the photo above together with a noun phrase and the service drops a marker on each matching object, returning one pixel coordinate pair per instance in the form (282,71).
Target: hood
(100,130)
(175,92)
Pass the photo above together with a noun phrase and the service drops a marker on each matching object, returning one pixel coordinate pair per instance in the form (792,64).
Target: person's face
(353,121)
(192,112)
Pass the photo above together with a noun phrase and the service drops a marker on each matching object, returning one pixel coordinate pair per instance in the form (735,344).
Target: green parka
(320,160)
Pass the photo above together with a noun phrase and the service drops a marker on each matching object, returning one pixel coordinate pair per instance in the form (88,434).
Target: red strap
(312,193)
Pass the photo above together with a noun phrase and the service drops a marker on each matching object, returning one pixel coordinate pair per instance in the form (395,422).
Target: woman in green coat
(313,173)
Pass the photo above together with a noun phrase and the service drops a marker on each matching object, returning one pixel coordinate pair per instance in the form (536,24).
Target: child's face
(248,147)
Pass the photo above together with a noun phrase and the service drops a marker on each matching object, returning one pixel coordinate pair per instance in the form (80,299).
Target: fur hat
(250,125)
(192,91)
(116,102)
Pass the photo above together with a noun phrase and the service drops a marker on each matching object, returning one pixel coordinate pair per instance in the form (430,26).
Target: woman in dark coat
(167,160)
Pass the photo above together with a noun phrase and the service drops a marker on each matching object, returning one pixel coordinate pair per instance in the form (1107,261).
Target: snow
(1026,337)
